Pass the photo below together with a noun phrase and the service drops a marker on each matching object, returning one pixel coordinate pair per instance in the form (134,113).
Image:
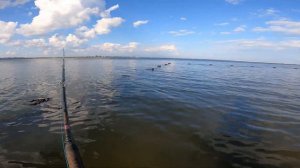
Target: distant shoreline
(145,58)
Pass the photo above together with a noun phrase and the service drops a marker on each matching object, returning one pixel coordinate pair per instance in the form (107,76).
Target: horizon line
(141,57)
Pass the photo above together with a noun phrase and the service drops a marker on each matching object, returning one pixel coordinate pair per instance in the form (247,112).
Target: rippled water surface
(187,114)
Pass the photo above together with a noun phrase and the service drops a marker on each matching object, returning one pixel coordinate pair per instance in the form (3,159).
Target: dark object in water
(158,66)
(231,65)
(126,76)
(152,69)
(274,67)
(39,101)
(210,64)
(296,68)
(169,63)
(252,66)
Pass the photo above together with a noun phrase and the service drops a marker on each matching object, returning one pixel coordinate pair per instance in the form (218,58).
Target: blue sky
(244,30)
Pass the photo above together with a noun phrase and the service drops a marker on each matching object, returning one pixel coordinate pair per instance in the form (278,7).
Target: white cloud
(139,23)
(57,14)
(181,32)
(7,30)
(105,25)
(74,41)
(128,49)
(106,13)
(117,48)
(70,41)
(236,30)
(57,41)
(267,12)
(35,43)
(281,26)
(162,48)
(85,32)
(239,29)
(222,24)
(11,3)
(233,2)
(183,18)
(10,53)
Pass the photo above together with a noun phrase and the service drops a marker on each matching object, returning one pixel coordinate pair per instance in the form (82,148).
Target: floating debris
(274,67)
(210,64)
(152,69)
(158,66)
(231,65)
(39,101)
(296,68)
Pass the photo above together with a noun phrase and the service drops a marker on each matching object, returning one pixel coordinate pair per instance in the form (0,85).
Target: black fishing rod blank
(71,150)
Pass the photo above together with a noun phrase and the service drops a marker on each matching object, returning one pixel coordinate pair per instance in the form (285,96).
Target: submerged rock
(39,101)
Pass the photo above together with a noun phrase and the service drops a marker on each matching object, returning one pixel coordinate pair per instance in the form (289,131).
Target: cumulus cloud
(57,14)
(281,26)
(104,25)
(70,41)
(182,32)
(7,30)
(57,41)
(12,3)
(106,13)
(140,23)
(85,32)
(35,43)
(233,2)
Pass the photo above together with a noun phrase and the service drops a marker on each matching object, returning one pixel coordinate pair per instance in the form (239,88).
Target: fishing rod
(71,150)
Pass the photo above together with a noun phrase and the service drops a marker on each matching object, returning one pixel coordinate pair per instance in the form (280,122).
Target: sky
(241,30)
